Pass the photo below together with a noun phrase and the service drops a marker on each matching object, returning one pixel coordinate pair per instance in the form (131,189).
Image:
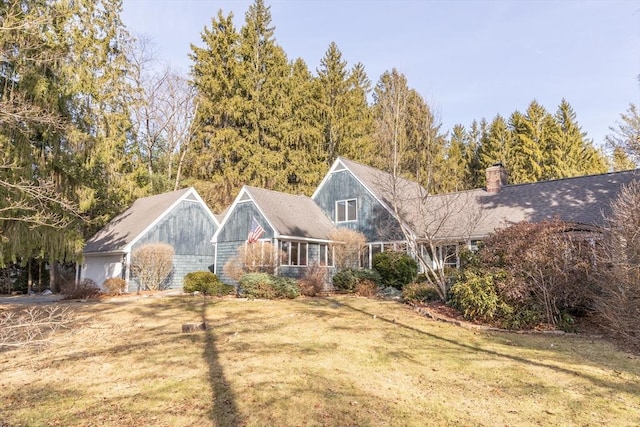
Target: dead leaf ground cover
(336,361)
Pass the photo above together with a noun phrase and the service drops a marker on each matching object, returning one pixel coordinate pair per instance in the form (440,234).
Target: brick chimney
(496,177)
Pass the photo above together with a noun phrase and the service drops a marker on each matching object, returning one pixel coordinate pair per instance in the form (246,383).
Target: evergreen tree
(264,71)
(358,142)
(476,135)
(620,161)
(392,129)
(497,145)
(573,153)
(529,143)
(63,123)
(332,100)
(304,156)
(211,164)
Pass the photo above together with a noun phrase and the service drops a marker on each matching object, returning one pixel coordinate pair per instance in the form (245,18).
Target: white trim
(332,169)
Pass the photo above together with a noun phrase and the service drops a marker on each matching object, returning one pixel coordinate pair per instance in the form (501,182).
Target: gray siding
(373,220)
(182,265)
(234,234)
(189,229)
(237,227)
(226,251)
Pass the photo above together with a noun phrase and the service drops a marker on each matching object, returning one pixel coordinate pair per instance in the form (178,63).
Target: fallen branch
(33,326)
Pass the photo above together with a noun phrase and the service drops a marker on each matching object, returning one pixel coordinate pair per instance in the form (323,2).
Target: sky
(469,59)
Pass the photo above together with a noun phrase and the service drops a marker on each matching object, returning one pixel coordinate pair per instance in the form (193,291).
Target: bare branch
(33,326)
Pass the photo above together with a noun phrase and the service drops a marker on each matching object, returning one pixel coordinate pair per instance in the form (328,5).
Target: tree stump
(194,327)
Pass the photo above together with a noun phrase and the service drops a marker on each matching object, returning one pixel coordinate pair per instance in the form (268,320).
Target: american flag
(255,232)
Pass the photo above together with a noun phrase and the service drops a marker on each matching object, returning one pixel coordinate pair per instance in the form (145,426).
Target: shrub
(347,280)
(347,248)
(115,285)
(420,292)
(152,265)
(366,288)
(286,287)
(206,283)
(476,296)
(85,289)
(617,300)
(548,269)
(258,257)
(396,268)
(313,281)
(268,286)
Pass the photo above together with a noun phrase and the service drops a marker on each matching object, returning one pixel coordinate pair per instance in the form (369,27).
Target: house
(386,209)
(179,218)
(351,195)
(294,225)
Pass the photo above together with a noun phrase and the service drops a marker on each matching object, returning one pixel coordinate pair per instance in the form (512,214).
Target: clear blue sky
(468,59)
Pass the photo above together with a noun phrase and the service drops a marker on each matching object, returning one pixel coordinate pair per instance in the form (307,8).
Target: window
(346,210)
(293,253)
(325,253)
(449,256)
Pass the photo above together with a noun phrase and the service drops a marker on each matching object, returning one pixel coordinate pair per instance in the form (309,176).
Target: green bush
(420,292)
(395,268)
(268,286)
(286,287)
(115,285)
(476,296)
(348,280)
(205,282)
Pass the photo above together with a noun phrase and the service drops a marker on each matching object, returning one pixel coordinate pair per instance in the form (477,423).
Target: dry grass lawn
(337,361)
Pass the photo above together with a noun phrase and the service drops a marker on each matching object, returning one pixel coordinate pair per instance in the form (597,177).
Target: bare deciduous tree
(618,303)
(152,265)
(258,257)
(347,248)
(163,112)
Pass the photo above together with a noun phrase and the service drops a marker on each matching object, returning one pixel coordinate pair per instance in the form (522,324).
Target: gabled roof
(581,200)
(288,215)
(476,213)
(382,185)
(125,229)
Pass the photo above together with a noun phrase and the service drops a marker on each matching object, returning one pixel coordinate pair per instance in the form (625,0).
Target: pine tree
(211,164)
(358,136)
(264,71)
(573,153)
(497,145)
(529,132)
(392,129)
(333,88)
(304,155)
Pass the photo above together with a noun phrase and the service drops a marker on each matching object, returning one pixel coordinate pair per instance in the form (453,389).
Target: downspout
(215,258)
(276,257)
(127,268)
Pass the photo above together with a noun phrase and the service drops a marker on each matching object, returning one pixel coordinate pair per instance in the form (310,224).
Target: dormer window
(346,210)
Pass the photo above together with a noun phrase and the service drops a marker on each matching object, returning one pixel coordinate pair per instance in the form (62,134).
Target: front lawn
(311,361)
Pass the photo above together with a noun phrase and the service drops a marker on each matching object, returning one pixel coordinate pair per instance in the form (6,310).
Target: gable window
(293,253)
(346,210)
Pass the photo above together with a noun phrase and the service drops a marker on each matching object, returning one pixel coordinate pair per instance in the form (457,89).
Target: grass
(337,361)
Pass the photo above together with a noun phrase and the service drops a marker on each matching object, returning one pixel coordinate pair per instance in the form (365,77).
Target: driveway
(30,299)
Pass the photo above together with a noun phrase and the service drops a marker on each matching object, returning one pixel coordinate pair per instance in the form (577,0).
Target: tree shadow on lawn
(224,411)
(628,387)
